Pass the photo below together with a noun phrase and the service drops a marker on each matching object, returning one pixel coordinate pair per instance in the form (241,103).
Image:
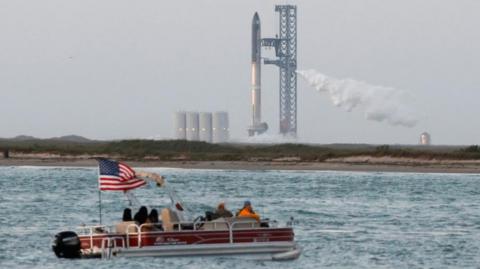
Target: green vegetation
(179,150)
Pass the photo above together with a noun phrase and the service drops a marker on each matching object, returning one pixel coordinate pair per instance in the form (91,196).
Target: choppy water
(346,220)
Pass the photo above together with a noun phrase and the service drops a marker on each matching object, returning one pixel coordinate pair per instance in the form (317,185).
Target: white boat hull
(262,250)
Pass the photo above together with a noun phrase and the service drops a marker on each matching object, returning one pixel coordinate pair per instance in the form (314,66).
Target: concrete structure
(205,133)
(425,139)
(220,128)
(257,127)
(180,125)
(192,132)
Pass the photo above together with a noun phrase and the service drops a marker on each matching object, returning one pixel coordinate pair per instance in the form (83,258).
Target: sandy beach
(361,163)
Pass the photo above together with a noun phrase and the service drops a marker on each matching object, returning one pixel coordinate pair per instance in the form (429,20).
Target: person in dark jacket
(153,217)
(141,216)
(127,224)
(222,212)
(153,222)
(127,214)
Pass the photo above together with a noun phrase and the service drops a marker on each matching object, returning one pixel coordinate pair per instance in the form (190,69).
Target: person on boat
(127,215)
(153,217)
(153,220)
(141,216)
(247,211)
(126,224)
(222,212)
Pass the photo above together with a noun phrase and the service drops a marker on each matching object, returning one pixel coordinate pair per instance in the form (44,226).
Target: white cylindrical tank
(180,125)
(205,119)
(192,126)
(220,128)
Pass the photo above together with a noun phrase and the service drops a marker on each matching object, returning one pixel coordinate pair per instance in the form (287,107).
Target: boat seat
(122,227)
(217,224)
(244,223)
(168,219)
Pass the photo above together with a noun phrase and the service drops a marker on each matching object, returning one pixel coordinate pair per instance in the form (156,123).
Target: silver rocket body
(257,127)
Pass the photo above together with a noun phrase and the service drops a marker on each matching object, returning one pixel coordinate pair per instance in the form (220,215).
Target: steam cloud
(383,104)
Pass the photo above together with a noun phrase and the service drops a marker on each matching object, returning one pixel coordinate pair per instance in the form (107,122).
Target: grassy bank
(179,150)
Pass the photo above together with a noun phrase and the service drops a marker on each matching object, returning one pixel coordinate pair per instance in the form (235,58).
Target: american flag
(115,176)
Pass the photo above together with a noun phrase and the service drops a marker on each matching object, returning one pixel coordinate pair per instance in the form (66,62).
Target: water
(345,219)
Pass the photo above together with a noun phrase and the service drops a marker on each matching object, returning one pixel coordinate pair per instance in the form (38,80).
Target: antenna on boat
(132,199)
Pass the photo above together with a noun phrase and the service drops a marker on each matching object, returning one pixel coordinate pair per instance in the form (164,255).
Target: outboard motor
(66,245)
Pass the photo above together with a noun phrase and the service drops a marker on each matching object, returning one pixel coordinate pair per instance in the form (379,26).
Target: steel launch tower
(285,45)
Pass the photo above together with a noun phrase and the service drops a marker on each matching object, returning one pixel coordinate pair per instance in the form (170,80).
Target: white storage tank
(180,125)
(205,127)
(192,126)
(220,128)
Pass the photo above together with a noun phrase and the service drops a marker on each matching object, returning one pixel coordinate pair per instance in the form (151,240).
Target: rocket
(257,127)
(256,70)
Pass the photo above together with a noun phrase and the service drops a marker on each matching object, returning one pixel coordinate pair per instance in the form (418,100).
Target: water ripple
(345,219)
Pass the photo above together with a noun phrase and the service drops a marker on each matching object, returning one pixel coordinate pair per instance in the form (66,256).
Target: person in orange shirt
(247,211)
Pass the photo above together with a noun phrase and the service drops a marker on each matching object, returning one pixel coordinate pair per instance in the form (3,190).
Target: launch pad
(285,45)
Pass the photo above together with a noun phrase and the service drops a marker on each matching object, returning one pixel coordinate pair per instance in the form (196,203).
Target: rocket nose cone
(256,18)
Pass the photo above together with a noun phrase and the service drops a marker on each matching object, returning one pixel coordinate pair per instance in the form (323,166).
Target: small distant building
(425,139)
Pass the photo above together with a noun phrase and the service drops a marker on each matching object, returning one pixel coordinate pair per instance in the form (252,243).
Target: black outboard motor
(66,245)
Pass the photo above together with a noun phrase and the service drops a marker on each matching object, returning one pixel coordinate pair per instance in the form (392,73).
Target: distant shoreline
(415,166)
(202,155)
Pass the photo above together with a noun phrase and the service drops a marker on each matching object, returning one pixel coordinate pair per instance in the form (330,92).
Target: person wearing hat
(222,212)
(247,211)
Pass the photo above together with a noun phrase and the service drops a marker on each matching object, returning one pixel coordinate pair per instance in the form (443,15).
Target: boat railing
(192,225)
(231,226)
(92,230)
(138,231)
(109,244)
(216,224)
(247,225)
(135,230)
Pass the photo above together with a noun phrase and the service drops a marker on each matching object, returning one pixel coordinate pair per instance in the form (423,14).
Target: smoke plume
(383,104)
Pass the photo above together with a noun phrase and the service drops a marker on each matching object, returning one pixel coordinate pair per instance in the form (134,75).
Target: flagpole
(100,204)
(99,198)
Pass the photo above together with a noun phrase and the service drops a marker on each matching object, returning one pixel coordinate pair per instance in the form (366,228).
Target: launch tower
(285,45)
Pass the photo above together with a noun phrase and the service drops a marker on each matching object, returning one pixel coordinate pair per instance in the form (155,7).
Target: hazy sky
(120,69)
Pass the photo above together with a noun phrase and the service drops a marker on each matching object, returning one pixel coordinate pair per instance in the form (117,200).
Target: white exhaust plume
(380,103)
